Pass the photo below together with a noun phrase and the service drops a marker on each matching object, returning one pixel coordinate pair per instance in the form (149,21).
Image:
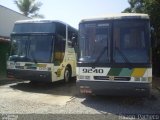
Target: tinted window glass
(34,27)
(131,40)
(60,42)
(94,42)
(37,48)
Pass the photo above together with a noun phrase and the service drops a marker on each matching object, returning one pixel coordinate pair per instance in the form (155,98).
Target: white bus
(42,50)
(115,55)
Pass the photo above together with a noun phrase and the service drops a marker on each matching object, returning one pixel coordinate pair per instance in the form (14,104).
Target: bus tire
(67,75)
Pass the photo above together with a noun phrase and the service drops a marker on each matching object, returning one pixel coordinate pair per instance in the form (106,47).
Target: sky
(73,11)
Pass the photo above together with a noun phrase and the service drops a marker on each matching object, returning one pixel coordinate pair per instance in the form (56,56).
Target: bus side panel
(69,60)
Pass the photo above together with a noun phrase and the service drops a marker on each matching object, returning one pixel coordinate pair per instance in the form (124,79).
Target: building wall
(7,19)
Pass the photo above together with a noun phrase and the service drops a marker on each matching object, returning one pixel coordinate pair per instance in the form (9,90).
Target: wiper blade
(124,57)
(35,61)
(100,55)
(33,58)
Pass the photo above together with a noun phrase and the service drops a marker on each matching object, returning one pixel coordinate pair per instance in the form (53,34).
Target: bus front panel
(114,55)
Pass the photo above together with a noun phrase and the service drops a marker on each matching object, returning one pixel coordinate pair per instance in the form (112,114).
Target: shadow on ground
(55,88)
(125,105)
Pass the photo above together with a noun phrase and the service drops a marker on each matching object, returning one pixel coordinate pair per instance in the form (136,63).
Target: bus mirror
(74,40)
(73,36)
(74,43)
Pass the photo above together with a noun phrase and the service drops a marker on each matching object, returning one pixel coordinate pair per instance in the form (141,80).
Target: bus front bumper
(44,76)
(114,88)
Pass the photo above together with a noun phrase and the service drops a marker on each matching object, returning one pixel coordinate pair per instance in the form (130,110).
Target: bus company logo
(111,77)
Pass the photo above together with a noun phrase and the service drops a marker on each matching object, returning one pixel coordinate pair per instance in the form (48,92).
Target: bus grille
(19,67)
(112,78)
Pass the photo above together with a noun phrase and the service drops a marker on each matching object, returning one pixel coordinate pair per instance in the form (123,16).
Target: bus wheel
(67,74)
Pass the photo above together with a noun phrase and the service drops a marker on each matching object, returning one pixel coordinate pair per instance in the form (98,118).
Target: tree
(29,8)
(152,7)
(136,6)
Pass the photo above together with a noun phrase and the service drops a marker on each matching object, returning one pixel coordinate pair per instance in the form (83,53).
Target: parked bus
(42,50)
(115,55)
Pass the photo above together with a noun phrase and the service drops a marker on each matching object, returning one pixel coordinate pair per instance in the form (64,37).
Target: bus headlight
(150,79)
(144,79)
(10,65)
(83,77)
(137,79)
(49,69)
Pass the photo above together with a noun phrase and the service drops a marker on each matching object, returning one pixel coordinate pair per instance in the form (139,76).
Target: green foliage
(29,8)
(4,51)
(152,7)
(136,6)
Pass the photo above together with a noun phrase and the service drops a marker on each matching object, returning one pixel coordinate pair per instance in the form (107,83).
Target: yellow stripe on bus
(138,72)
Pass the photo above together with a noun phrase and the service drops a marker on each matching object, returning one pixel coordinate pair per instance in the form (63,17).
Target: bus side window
(72,37)
(60,43)
(59,49)
(69,42)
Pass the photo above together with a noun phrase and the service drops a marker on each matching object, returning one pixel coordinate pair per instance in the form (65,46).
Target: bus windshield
(117,42)
(94,42)
(131,41)
(35,48)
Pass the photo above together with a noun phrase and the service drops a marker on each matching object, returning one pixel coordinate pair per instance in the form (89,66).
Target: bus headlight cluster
(83,77)
(10,65)
(143,79)
(137,79)
(49,69)
(146,79)
(150,79)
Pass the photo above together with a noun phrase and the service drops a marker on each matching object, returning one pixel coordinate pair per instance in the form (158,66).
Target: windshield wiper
(124,57)
(121,53)
(100,55)
(33,57)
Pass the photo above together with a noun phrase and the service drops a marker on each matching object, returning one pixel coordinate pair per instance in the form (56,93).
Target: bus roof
(39,21)
(117,16)
(42,21)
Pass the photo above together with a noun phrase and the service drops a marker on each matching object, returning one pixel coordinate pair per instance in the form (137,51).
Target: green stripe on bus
(114,72)
(126,72)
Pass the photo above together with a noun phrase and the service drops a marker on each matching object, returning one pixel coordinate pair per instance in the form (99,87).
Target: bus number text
(92,70)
